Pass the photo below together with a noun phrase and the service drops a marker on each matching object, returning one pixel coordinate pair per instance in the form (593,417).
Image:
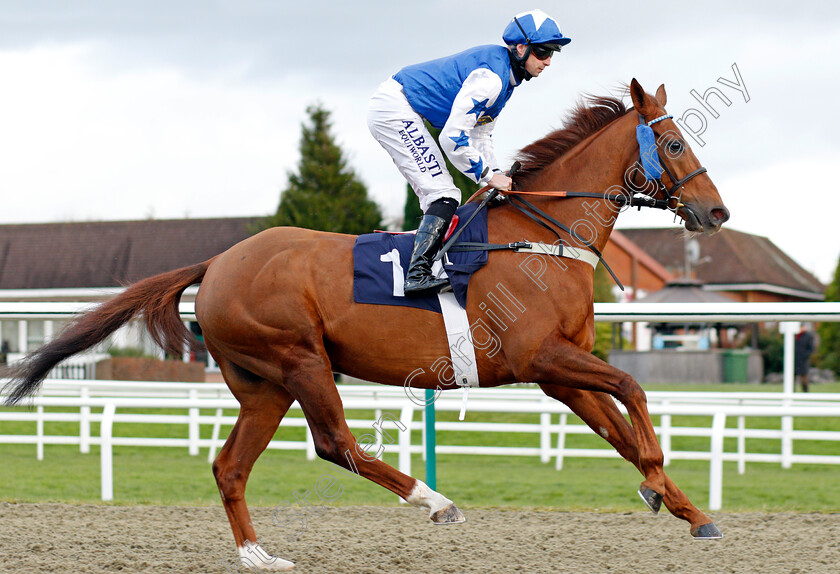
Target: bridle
(653,165)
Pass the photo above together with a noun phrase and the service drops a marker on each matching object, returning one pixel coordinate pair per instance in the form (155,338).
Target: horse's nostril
(720,215)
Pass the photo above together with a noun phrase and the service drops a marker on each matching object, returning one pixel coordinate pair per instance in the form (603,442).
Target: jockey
(461,95)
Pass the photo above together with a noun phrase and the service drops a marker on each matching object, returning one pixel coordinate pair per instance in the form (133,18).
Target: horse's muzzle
(701,220)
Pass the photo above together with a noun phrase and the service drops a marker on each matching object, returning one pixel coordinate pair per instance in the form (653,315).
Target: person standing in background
(803,348)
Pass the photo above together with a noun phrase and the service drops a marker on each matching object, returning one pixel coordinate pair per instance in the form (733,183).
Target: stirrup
(427,286)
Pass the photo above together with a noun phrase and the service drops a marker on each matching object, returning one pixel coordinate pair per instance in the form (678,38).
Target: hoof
(448,515)
(253,556)
(707,532)
(652,498)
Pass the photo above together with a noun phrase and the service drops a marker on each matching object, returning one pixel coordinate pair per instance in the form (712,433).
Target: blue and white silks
(462,95)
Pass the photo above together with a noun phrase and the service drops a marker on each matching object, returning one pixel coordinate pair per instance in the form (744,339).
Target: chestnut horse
(278,316)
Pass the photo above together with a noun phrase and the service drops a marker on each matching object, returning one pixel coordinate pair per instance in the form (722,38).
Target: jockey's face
(533,65)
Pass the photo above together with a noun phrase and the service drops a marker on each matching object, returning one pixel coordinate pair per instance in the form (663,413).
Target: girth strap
(526,206)
(555,250)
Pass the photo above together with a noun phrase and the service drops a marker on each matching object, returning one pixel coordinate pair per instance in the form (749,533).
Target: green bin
(735,365)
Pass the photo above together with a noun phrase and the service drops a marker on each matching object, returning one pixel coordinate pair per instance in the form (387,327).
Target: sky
(115,110)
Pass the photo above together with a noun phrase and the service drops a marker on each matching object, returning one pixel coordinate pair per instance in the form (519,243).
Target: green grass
(144,475)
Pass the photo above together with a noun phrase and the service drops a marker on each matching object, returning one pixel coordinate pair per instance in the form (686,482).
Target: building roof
(107,254)
(110,253)
(735,259)
(684,291)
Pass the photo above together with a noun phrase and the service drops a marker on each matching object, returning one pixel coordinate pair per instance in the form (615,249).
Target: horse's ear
(638,95)
(661,96)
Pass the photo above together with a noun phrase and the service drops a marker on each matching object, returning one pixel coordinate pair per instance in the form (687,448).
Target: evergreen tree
(325,193)
(412,213)
(828,354)
(603,293)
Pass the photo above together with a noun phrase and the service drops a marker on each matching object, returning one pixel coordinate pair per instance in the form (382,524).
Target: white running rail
(122,402)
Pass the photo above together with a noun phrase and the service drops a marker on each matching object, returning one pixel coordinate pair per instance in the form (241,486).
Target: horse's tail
(157,298)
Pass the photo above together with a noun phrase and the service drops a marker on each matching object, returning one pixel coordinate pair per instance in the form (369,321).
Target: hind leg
(599,412)
(334,442)
(262,407)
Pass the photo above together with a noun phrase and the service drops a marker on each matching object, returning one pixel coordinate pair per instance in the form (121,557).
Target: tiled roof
(109,253)
(735,257)
(112,253)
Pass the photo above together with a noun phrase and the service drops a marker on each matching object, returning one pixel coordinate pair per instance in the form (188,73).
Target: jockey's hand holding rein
(501,182)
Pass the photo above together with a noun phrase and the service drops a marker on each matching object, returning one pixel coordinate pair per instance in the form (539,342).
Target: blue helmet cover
(539,27)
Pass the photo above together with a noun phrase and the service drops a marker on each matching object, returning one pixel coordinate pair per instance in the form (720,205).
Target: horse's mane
(589,116)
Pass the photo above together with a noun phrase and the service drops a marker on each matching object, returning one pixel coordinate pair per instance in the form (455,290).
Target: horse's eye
(675,148)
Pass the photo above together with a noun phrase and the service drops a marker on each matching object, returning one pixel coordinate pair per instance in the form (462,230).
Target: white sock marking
(422,495)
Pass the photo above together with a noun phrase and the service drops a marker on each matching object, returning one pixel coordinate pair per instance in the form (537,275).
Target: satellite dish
(692,250)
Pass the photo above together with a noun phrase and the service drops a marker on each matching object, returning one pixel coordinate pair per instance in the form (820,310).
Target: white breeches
(403,134)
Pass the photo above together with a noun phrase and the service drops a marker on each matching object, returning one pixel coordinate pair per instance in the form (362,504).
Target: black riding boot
(419,280)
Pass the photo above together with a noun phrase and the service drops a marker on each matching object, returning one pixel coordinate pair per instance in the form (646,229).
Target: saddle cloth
(381,259)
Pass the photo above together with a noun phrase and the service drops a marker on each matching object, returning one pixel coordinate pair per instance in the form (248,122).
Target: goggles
(542,52)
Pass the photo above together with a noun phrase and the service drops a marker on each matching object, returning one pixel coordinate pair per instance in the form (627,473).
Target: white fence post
(423,434)
(561,442)
(23,336)
(39,431)
(106,461)
(665,434)
(545,436)
(787,423)
(310,445)
(789,329)
(787,442)
(742,445)
(194,435)
(84,423)
(214,437)
(404,442)
(406,418)
(377,445)
(716,464)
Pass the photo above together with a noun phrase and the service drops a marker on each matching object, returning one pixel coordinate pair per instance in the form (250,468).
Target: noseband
(653,165)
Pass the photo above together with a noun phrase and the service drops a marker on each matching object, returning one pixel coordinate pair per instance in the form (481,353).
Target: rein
(637,200)
(652,165)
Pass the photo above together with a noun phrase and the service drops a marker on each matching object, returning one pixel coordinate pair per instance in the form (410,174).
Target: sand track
(91,538)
